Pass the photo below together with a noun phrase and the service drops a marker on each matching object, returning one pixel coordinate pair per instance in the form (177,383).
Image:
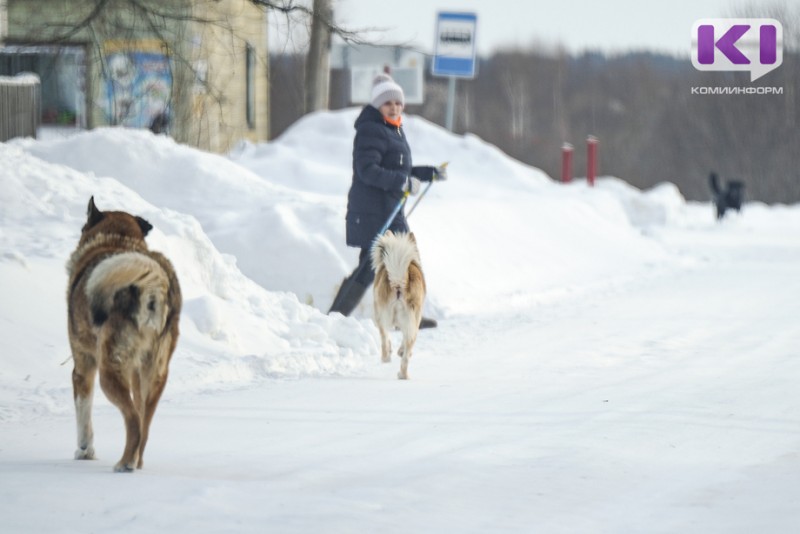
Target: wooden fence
(20,106)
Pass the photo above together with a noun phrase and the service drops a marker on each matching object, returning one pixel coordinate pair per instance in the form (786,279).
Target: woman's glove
(412,186)
(428,173)
(440,172)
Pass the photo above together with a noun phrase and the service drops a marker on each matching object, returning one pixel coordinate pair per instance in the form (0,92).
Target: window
(62,71)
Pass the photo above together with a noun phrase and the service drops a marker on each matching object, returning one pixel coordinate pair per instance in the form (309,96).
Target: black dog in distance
(729,197)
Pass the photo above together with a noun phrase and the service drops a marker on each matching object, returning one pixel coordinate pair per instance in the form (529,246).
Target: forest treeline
(657,118)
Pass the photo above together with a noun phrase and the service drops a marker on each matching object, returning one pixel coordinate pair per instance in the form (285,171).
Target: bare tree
(318,60)
(156,16)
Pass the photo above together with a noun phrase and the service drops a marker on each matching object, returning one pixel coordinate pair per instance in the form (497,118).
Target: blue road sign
(455,50)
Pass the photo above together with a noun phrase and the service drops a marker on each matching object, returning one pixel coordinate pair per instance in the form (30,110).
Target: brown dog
(124,303)
(399,293)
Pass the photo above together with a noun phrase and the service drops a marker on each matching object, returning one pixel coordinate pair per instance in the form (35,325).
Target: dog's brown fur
(399,293)
(124,303)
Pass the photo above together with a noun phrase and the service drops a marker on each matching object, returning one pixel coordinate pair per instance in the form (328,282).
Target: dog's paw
(402,376)
(123,467)
(386,359)
(85,454)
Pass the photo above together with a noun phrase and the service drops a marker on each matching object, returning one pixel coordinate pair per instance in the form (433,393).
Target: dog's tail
(395,253)
(713,182)
(131,285)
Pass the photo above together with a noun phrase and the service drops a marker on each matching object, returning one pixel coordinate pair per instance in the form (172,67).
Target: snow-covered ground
(608,360)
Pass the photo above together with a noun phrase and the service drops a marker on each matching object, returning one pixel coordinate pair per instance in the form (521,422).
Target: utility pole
(318,60)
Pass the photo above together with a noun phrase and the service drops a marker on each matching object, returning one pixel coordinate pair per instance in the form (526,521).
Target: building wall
(121,45)
(222,56)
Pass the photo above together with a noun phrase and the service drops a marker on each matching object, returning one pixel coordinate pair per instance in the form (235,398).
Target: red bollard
(566,163)
(591,159)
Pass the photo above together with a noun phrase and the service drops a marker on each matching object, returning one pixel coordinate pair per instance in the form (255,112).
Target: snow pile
(233,330)
(279,210)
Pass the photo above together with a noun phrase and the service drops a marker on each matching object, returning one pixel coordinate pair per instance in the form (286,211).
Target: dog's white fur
(399,293)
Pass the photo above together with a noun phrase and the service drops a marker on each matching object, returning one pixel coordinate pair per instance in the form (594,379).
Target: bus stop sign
(455,50)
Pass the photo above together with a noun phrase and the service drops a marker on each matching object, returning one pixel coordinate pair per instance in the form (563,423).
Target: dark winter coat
(381,167)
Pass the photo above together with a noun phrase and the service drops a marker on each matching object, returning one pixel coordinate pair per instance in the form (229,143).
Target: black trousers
(354,286)
(364,274)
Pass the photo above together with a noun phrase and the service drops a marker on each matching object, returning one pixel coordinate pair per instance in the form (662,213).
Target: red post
(591,159)
(566,163)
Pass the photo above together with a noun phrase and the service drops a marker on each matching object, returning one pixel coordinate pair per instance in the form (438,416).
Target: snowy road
(661,404)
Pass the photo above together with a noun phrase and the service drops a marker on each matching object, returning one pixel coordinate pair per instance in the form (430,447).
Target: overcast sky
(607,25)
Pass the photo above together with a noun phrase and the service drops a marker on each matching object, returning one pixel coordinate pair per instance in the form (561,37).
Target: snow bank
(279,208)
(233,330)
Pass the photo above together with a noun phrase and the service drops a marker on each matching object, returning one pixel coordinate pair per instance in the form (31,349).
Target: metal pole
(591,159)
(451,102)
(396,210)
(566,163)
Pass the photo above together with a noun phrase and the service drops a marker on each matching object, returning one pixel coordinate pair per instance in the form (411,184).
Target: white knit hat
(385,89)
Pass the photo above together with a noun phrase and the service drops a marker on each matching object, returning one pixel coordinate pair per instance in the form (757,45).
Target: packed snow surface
(607,360)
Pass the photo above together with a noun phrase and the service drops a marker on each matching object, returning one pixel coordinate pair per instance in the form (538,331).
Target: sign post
(455,52)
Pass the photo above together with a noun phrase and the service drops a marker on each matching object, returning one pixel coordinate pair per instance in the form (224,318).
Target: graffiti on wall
(138,84)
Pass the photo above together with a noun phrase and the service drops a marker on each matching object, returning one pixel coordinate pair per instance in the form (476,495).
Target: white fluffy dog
(399,293)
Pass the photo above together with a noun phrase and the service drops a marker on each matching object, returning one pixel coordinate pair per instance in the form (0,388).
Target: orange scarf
(395,123)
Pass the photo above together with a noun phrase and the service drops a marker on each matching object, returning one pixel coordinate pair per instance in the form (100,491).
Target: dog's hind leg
(83,376)
(155,376)
(405,353)
(139,389)
(118,391)
(386,345)
(402,374)
(151,402)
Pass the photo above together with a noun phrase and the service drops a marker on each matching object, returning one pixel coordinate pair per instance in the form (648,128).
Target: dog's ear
(93,215)
(412,238)
(144,225)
